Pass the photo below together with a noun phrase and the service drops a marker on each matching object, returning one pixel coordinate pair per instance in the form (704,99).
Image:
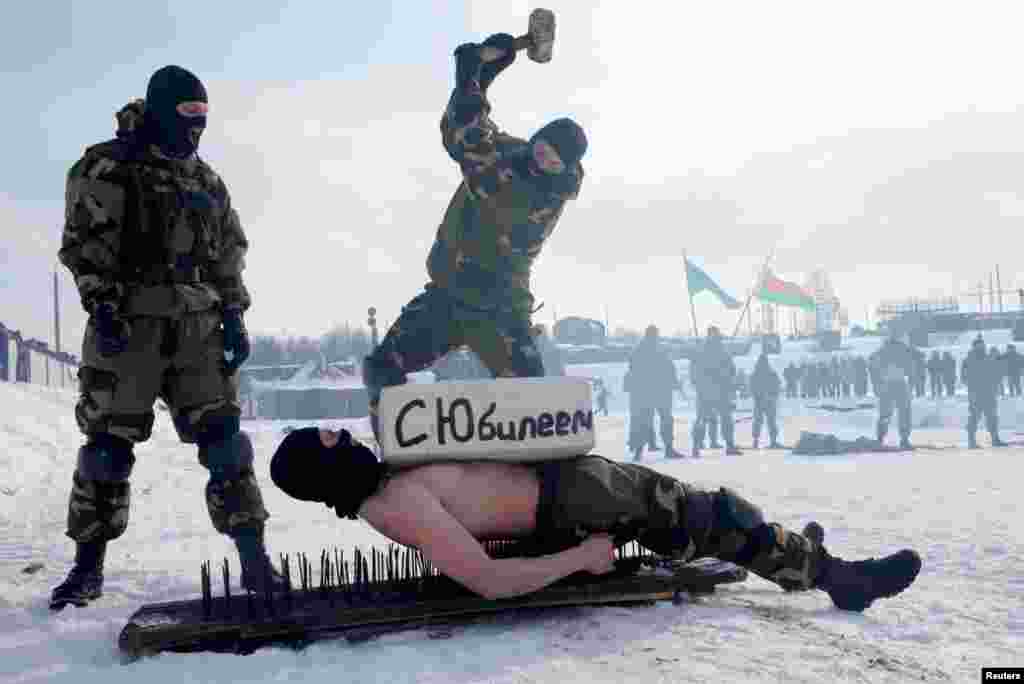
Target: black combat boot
(257,570)
(85,581)
(854,585)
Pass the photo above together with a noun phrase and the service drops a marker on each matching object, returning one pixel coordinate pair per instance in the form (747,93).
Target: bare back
(490,500)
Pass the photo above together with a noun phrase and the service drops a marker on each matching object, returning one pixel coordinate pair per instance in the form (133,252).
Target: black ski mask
(570,142)
(173,128)
(342,476)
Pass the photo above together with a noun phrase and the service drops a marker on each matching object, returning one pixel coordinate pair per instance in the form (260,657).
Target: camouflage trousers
(766,409)
(982,405)
(641,423)
(894,396)
(592,494)
(176,359)
(179,361)
(712,413)
(436,322)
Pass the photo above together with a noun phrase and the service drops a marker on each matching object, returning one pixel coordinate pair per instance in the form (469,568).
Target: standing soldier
(602,396)
(653,376)
(920,372)
(709,418)
(999,366)
(792,376)
(511,196)
(1014,363)
(157,253)
(715,380)
(949,373)
(765,388)
(935,374)
(894,365)
(981,374)
(860,377)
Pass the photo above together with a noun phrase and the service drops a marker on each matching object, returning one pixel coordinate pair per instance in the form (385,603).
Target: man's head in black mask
(557,148)
(326,466)
(176,108)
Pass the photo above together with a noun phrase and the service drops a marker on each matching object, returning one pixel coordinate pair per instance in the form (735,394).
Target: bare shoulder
(409,504)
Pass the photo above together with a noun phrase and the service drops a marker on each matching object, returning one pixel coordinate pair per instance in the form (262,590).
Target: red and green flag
(778,291)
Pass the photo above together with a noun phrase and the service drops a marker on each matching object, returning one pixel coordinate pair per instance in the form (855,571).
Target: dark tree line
(340,343)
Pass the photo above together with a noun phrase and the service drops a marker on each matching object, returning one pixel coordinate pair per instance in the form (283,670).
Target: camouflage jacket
(652,373)
(764,382)
(714,373)
(894,362)
(981,373)
(148,235)
(500,215)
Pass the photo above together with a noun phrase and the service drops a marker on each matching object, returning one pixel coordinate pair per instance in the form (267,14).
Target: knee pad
(227,458)
(379,372)
(105,458)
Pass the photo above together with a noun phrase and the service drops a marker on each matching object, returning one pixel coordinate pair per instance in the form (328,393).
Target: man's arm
(94,216)
(410,514)
(467,131)
(227,270)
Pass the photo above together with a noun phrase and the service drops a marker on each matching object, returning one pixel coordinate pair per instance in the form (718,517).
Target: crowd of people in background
(895,374)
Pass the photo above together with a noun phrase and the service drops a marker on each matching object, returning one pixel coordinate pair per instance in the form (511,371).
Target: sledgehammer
(538,40)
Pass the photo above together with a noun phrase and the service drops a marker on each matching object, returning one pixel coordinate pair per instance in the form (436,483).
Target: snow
(960,509)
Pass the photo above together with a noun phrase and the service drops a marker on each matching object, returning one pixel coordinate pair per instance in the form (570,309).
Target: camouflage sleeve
(227,270)
(471,139)
(94,215)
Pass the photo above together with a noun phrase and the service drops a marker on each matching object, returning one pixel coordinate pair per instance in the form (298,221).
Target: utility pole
(999,289)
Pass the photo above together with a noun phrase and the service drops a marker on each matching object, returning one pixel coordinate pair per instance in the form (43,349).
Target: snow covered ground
(960,509)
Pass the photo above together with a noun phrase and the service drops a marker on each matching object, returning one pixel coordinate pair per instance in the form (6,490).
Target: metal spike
(204,571)
(226,574)
(286,570)
(268,589)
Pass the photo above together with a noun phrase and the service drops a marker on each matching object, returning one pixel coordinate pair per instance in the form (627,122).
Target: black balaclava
(569,140)
(176,135)
(342,476)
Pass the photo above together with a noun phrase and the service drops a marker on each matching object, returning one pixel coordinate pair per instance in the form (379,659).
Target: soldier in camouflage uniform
(893,366)
(982,374)
(512,194)
(157,252)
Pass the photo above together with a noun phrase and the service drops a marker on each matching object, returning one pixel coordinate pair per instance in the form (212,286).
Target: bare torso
(491,500)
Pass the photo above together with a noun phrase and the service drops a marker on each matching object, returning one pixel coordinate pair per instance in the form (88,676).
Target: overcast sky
(879,141)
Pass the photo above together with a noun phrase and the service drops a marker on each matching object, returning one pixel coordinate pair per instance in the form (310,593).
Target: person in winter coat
(949,373)
(893,365)
(765,387)
(652,375)
(1014,365)
(715,379)
(935,374)
(982,373)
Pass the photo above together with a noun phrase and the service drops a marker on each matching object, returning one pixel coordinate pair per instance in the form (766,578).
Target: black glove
(467,65)
(490,70)
(112,332)
(236,341)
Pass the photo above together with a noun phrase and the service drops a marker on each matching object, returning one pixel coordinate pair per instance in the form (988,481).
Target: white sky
(880,141)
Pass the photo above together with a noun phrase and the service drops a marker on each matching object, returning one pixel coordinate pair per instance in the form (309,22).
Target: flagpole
(760,277)
(693,311)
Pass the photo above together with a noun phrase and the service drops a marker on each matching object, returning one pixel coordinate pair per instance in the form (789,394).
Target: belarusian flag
(778,291)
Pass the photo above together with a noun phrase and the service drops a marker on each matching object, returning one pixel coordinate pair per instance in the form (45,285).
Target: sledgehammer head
(542,35)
